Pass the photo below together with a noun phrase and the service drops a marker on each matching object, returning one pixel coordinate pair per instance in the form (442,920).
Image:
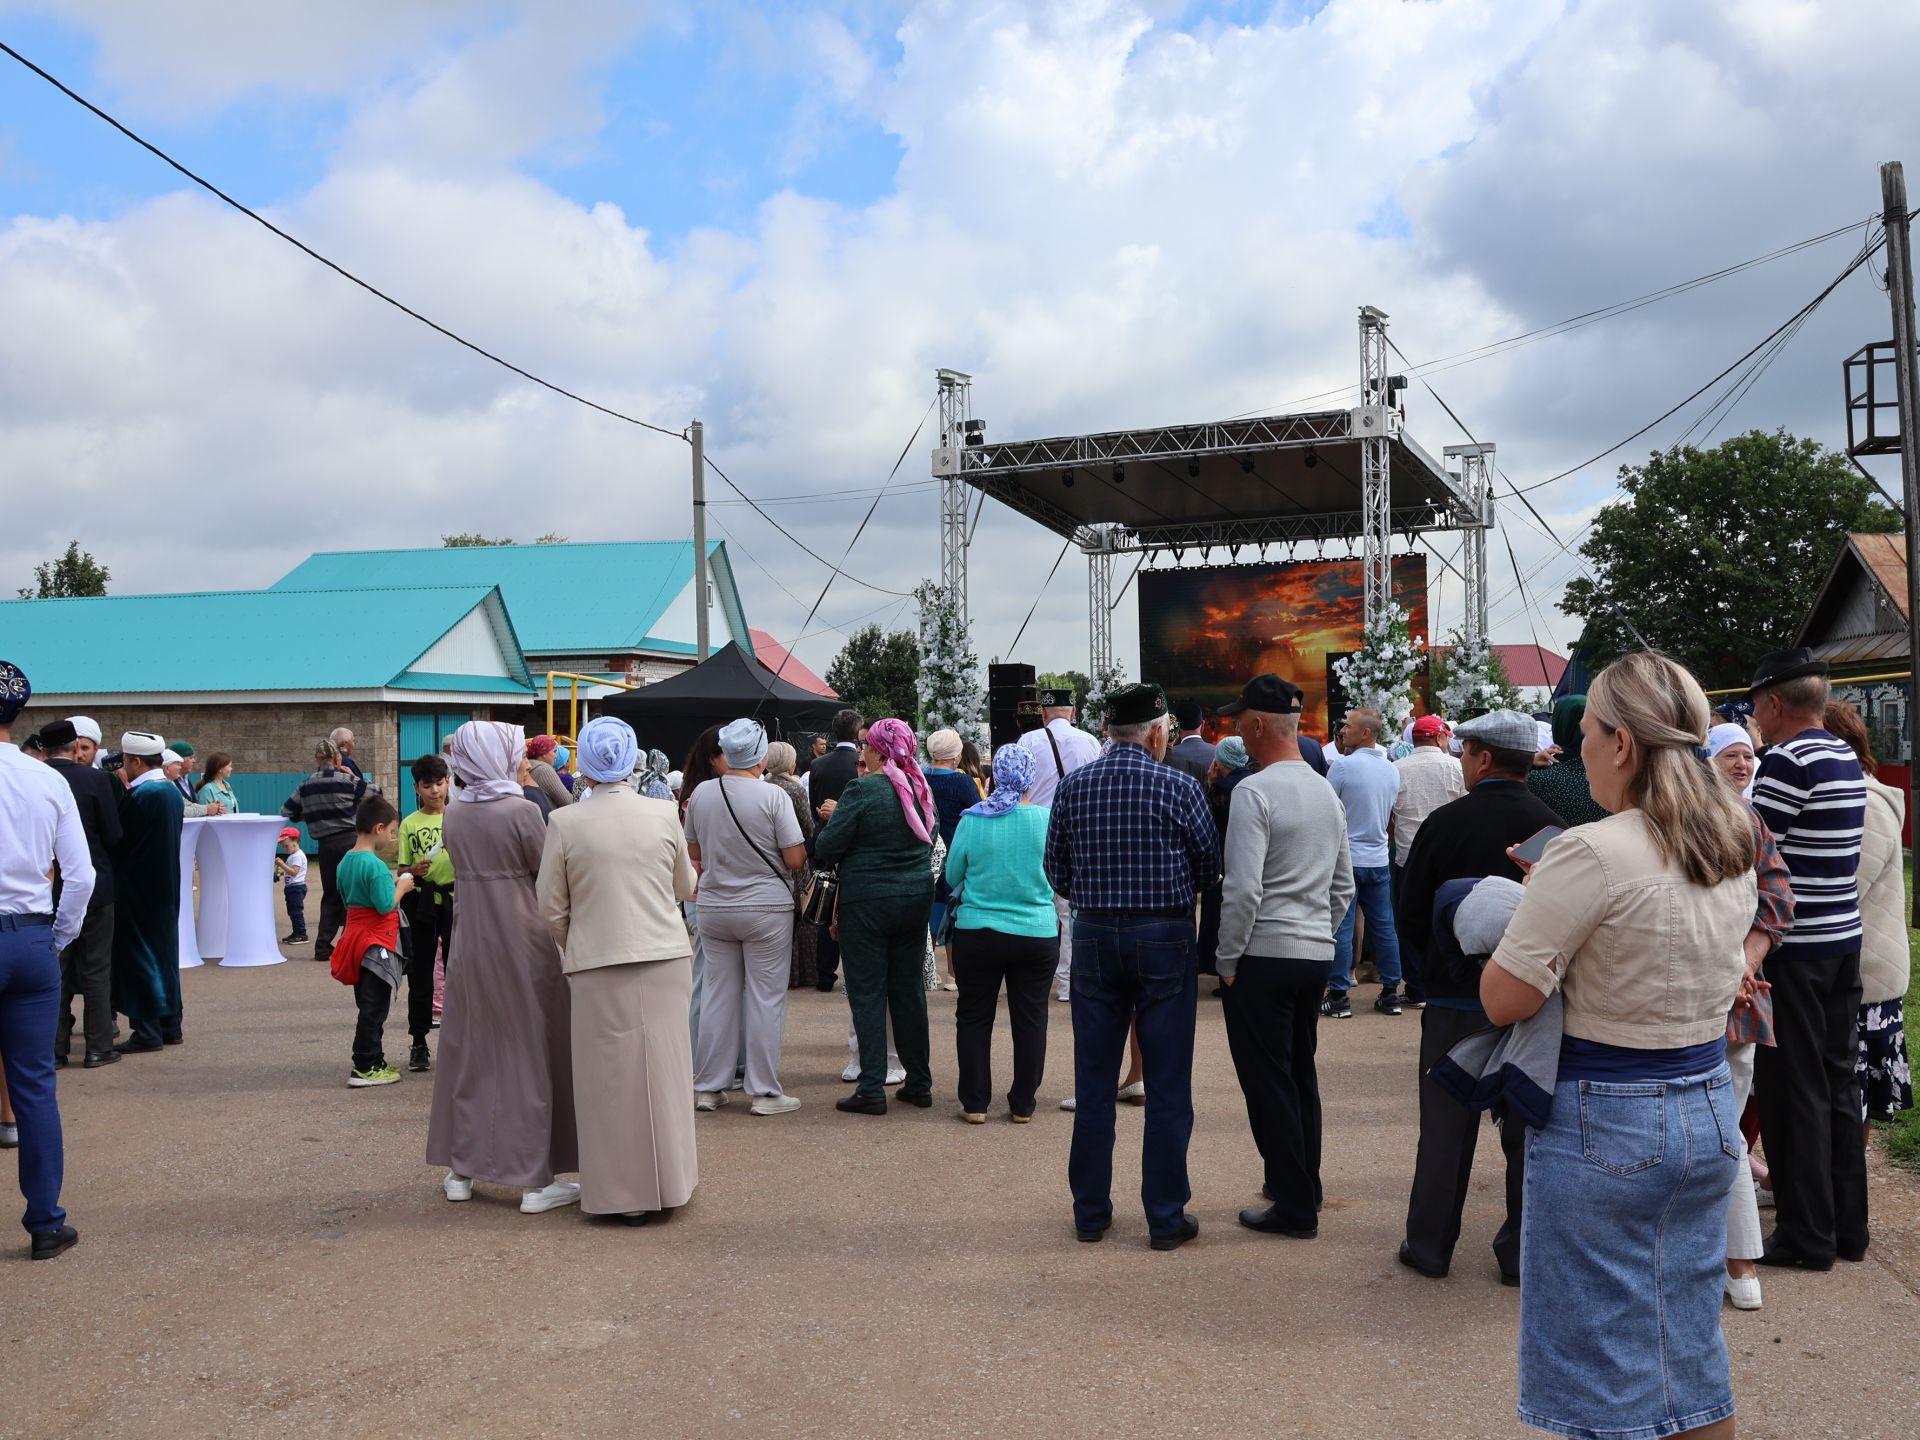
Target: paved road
(263,1253)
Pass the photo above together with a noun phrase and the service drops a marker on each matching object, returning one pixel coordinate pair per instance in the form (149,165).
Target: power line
(1011,649)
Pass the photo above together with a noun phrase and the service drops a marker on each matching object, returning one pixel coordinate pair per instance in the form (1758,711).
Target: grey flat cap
(1501,729)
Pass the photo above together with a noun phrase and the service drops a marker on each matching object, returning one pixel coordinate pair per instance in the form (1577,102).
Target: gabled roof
(1861,611)
(782,661)
(565,599)
(1527,665)
(277,640)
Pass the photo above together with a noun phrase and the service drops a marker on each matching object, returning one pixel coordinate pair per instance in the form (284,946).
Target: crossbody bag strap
(779,873)
(1059,765)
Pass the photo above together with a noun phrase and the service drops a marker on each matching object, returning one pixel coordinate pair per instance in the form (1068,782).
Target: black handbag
(820,899)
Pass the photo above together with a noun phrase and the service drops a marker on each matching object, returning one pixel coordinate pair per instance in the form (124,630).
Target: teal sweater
(365,882)
(869,841)
(994,866)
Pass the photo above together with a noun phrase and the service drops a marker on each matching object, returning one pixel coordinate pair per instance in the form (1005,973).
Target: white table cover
(235,924)
(190,832)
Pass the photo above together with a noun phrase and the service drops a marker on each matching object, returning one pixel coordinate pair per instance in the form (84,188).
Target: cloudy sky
(783,218)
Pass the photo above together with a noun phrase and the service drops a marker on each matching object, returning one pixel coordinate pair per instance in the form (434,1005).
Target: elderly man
(1368,785)
(86,965)
(342,739)
(326,802)
(1130,844)
(146,924)
(1465,839)
(1810,793)
(1288,880)
(40,832)
(1059,747)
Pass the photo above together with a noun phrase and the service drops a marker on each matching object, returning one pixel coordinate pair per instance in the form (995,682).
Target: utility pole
(701,646)
(1893,194)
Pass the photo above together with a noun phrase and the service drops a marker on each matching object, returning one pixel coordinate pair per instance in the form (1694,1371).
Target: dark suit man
(86,966)
(827,778)
(1193,754)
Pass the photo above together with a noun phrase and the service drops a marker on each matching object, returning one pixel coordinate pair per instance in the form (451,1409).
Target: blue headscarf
(1013,769)
(608,749)
(1232,753)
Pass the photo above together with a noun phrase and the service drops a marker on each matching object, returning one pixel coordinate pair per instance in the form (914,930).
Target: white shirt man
(1059,747)
(1429,778)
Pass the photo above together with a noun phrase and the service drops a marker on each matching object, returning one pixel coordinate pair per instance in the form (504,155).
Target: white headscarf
(1722,736)
(606,749)
(485,754)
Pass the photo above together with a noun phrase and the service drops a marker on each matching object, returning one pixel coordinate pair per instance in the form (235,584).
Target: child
(430,907)
(368,955)
(290,867)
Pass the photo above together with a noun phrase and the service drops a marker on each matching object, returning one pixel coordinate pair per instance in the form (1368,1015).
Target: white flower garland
(949,683)
(1476,681)
(1379,675)
(1103,682)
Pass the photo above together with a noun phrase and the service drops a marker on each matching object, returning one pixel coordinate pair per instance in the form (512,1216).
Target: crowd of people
(1614,934)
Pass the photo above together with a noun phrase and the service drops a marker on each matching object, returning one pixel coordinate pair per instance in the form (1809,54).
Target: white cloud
(1106,222)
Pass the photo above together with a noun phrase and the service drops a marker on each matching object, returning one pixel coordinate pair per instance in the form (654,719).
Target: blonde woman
(1638,921)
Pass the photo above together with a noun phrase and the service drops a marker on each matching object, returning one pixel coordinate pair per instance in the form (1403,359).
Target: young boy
(290,867)
(368,955)
(430,907)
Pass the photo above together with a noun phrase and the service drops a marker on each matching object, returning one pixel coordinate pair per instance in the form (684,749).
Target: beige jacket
(1885,964)
(612,877)
(1643,957)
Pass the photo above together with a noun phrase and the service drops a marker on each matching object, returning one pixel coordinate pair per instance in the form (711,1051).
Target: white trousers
(749,959)
(1063,972)
(853,1047)
(1743,1206)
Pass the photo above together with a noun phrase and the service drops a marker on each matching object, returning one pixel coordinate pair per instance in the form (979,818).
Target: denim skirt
(1623,1246)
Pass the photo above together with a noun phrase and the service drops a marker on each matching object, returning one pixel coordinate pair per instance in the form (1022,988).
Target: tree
(879,673)
(1073,680)
(471,540)
(1715,556)
(1379,675)
(550,538)
(1093,706)
(1468,678)
(74,573)
(949,676)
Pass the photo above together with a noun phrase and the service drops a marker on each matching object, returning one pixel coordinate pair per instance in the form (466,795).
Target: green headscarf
(1568,711)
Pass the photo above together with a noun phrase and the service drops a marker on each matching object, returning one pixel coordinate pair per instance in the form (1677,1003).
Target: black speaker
(1007,686)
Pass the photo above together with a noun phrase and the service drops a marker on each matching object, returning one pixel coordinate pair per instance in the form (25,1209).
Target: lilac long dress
(503,1080)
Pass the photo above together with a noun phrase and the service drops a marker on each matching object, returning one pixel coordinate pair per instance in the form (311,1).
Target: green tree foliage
(949,678)
(1715,556)
(471,540)
(879,673)
(1074,680)
(74,573)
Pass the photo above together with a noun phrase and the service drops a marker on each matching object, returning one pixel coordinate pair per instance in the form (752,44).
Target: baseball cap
(1268,694)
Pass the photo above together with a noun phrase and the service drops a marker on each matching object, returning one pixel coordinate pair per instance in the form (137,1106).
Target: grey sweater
(1289,879)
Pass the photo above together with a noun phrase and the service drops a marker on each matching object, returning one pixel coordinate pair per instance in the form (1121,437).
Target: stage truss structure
(1316,476)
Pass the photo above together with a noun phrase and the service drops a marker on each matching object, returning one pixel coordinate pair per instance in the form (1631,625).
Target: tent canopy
(670,714)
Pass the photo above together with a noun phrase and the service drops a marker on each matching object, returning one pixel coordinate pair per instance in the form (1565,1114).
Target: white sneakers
(1744,1291)
(895,1076)
(560,1192)
(457,1187)
(1068,1103)
(709,1099)
(1135,1093)
(774,1104)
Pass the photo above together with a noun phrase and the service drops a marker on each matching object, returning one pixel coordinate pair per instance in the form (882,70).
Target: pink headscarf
(486,755)
(894,740)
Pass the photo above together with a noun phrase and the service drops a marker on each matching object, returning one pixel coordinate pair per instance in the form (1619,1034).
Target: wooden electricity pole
(1893,194)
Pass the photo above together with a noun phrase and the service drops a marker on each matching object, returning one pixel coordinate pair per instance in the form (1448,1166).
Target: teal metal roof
(563,598)
(238,640)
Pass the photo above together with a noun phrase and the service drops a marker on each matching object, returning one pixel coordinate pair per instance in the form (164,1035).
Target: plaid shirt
(1128,833)
(1773,917)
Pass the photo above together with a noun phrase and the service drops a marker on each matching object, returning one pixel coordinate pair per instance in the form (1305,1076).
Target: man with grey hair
(342,739)
(1810,793)
(1367,784)
(326,803)
(1059,747)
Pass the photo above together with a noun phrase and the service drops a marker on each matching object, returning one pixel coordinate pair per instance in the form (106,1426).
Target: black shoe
(858,1104)
(97,1058)
(1089,1237)
(1510,1279)
(137,1046)
(1414,1002)
(60,1060)
(49,1243)
(293,939)
(825,987)
(1780,1254)
(174,1039)
(1851,1255)
(1335,1006)
(1387,1002)
(419,1058)
(1268,1223)
(636,1219)
(923,1101)
(1189,1227)
(1406,1259)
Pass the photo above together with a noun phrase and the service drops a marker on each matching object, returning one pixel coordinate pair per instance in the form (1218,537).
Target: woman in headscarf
(746,842)
(704,763)
(952,793)
(1231,764)
(650,779)
(1006,931)
(1730,749)
(611,882)
(503,1087)
(541,753)
(880,835)
(782,760)
(1563,785)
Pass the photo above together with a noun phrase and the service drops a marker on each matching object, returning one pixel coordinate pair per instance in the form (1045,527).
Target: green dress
(146,922)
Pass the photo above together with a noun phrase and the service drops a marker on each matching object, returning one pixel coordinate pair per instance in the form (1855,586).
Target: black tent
(670,714)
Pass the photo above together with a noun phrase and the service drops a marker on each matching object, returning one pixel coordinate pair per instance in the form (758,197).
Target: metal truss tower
(1372,423)
(1100,552)
(956,416)
(1476,478)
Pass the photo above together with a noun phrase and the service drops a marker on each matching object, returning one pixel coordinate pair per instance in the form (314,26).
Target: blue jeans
(1623,1242)
(29,1005)
(297,909)
(1132,969)
(1373,893)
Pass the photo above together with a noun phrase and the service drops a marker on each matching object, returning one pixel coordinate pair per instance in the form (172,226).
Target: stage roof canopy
(1276,477)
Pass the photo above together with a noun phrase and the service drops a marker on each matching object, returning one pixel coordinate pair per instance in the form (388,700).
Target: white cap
(143,743)
(167,757)
(86,727)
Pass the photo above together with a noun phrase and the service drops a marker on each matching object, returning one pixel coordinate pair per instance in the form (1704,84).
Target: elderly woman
(612,877)
(747,844)
(542,755)
(953,791)
(880,834)
(1637,921)
(1006,931)
(650,779)
(1730,749)
(503,1087)
(782,760)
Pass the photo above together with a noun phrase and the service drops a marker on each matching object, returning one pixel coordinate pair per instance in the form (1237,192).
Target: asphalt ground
(264,1252)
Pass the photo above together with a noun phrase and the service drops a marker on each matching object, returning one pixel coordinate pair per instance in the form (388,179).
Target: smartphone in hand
(1529,851)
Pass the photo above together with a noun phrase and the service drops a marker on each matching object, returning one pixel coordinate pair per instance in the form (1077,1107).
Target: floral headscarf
(894,740)
(1013,769)
(651,780)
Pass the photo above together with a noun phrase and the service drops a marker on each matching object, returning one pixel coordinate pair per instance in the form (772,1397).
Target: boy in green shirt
(430,907)
(368,955)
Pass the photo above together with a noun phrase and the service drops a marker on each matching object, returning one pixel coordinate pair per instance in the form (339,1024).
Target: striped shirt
(327,801)
(1128,833)
(1811,795)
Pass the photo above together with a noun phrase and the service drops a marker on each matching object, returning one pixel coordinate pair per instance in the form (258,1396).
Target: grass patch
(1903,1135)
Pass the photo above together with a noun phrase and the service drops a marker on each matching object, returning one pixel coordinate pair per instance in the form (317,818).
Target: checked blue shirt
(1128,833)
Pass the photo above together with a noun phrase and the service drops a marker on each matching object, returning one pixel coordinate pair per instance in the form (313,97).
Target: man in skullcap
(146,930)
(86,742)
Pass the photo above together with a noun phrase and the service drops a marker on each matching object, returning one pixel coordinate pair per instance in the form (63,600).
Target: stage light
(1066,478)
(1178,552)
(1119,474)
(1193,469)
(1207,554)
(1234,551)
(1313,457)
(1246,464)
